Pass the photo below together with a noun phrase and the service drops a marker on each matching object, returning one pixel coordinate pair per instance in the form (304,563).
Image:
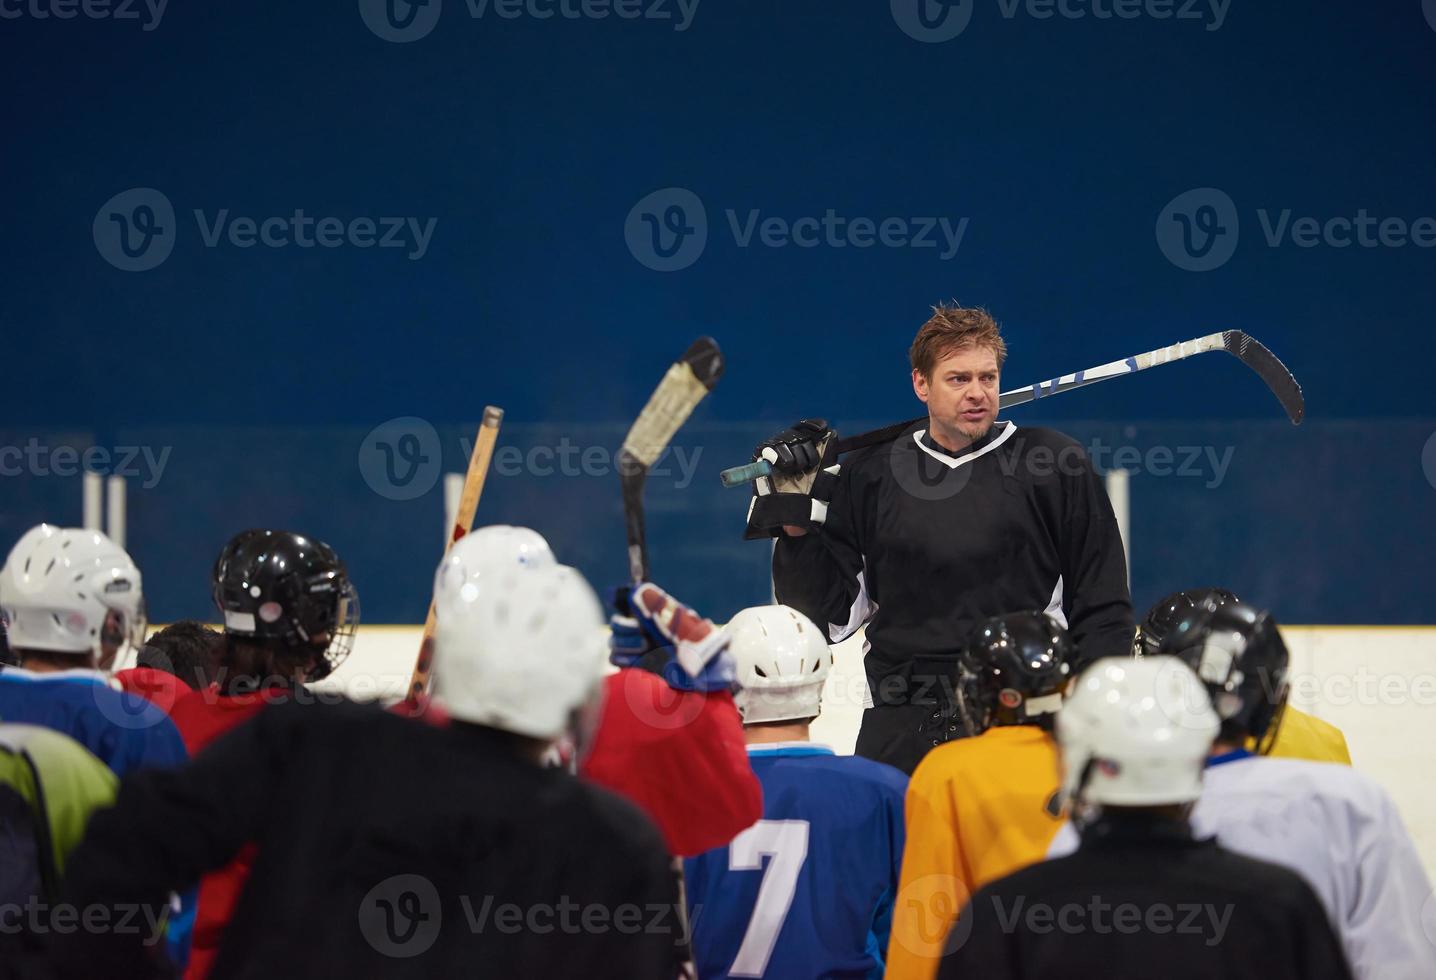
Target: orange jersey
(977,809)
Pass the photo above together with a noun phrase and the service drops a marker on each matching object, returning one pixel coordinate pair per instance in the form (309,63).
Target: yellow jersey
(1303,737)
(977,809)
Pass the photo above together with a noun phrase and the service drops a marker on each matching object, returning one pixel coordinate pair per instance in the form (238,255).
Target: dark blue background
(530,140)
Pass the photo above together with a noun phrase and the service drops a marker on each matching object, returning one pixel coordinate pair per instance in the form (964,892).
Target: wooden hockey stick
(474,479)
(1245,348)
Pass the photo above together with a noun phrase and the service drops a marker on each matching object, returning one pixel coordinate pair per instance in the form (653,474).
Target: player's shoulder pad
(1324,782)
(883,777)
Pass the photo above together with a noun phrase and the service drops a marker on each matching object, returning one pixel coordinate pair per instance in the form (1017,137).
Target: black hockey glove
(805,467)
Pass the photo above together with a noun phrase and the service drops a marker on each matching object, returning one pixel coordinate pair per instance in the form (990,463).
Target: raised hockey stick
(686,384)
(1245,348)
(474,479)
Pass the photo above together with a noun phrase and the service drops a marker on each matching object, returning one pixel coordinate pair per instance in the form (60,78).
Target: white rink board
(1377,684)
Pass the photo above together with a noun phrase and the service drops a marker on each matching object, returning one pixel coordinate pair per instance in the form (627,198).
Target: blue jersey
(808,890)
(123,730)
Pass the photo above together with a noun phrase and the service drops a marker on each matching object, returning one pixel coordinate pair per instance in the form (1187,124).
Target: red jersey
(202,717)
(156,686)
(679,756)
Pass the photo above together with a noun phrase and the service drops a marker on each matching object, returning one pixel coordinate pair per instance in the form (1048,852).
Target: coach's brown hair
(953,328)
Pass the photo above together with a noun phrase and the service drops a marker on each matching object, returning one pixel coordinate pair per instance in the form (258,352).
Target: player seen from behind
(808,890)
(71,598)
(388,848)
(1332,824)
(982,807)
(1299,736)
(1143,895)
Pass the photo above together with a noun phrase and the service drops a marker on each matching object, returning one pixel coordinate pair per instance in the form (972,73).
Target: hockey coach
(961,518)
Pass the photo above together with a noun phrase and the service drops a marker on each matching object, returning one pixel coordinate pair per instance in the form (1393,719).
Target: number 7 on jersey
(785,842)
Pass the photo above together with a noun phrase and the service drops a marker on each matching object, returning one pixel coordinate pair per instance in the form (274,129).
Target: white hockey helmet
(782,660)
(516,648)
(60,585)
(503,545)
(1136,733)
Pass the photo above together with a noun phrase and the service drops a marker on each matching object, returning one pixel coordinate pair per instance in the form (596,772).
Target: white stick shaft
(115,509)
(92,501)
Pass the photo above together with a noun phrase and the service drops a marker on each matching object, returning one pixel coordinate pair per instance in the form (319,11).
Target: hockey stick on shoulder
(474,479)
(1245,348)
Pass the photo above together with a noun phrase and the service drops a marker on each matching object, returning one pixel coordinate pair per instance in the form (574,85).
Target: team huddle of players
(206,812)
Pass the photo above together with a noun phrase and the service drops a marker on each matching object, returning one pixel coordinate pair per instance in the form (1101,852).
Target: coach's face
(961,395)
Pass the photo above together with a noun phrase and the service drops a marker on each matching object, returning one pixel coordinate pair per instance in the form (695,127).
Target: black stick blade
(1270,369)
(705,360)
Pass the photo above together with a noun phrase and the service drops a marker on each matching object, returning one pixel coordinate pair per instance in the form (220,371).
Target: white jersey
(1342,833)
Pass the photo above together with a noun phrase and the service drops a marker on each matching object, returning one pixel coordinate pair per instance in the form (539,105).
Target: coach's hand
(794,499)
(796,450)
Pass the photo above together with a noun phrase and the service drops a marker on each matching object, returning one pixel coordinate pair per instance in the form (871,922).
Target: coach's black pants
(901,734)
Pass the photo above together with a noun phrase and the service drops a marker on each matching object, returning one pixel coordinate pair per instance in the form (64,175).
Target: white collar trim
(771,746)
(953,462)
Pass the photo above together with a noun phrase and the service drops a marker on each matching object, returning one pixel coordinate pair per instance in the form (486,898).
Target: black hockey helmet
(1239,654)
(1168,612)
(1013,670)
(281,587)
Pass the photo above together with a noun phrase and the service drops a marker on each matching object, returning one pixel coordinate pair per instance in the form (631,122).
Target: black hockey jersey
(924,545)
(1139,900)
(386,848)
